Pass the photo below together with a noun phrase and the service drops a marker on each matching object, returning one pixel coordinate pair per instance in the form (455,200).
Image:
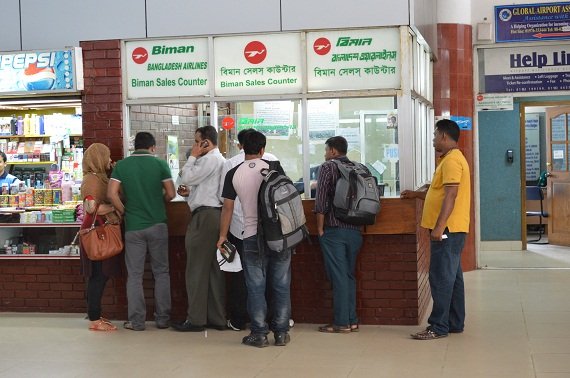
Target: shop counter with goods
(40,231)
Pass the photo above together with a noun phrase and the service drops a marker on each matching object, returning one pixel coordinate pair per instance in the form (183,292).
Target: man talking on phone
(205,284)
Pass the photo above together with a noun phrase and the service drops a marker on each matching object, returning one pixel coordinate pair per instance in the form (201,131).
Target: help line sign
(556,58)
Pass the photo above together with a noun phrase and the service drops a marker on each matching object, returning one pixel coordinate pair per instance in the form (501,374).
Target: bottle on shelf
(27,124)
(19,126)
(13,125)
(33,123)
(67,188)
(41,125)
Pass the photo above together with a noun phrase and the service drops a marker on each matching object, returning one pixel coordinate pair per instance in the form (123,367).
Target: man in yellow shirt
(446,215)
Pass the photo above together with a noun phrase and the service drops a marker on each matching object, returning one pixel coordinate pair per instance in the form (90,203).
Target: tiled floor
(536,256)
(518,325)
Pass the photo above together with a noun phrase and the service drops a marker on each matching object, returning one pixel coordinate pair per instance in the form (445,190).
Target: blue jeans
(274,270)
(340,249)
(446,283)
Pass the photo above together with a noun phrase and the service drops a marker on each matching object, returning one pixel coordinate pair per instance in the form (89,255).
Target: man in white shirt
(205,282)
(237,291)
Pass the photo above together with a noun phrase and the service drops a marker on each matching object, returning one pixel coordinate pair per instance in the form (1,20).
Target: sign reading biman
(258,64)
(167,68)
(353,59)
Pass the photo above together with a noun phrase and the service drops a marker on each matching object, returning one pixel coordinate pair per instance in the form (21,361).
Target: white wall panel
(10,34)
(423,15)
(197,17)
(317,14)
(59,23)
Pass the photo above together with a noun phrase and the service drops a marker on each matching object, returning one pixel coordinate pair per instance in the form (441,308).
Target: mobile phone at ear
(204,144)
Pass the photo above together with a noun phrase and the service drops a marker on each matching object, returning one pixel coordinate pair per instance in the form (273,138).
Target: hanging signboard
(532,22)
(167,68)
(353,59)
(258,64)
(526,69)
(33,72)
(492,102)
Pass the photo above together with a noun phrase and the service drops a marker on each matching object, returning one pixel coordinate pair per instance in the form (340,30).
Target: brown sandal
(331,328)
(102,325)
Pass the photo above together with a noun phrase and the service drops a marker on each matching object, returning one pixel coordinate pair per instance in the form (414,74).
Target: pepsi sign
(40,71)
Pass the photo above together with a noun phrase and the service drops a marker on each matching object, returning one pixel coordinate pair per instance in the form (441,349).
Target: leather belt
(200,208)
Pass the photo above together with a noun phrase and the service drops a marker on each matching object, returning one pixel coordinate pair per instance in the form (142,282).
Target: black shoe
(255,340)
(186,326)
(282,338)
(163,325)
(218,327)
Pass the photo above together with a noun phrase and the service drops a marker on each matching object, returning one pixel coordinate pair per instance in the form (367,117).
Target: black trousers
(237,291)
(95,287)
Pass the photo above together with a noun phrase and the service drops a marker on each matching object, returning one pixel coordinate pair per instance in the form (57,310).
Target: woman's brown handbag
(101,242)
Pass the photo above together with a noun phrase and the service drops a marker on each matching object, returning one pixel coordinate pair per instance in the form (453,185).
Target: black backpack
(281,215)
(356,200)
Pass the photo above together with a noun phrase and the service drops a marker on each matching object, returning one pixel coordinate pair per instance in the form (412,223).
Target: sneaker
(282,338)
(130,326)
(231,326)
(186,326)
(427,334)
(255,340)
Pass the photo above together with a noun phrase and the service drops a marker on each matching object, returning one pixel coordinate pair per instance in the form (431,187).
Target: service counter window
(277,120)
(173,126)
(370,125)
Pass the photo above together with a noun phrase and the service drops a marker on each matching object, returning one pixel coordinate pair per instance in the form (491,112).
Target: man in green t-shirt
(146,184)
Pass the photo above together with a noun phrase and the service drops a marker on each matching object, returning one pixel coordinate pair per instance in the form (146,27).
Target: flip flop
(354,328)
(101,325)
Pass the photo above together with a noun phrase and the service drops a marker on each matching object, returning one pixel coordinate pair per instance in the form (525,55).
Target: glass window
(176,122)
(370,125)
(277,120)
(424,154)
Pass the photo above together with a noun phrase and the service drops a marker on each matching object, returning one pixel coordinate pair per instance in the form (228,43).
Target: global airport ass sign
(532,22)
(264,64)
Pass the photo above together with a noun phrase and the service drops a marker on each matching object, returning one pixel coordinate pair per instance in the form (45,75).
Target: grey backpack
(281,215)
(356,199)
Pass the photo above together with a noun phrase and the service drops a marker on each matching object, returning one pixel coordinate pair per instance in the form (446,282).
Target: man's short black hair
(3,155)
(209,133)
(338,143)
(144,141)
(242,133)
(253,142)
(448,127)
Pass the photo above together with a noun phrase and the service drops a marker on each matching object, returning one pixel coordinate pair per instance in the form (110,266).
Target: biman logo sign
(167,68)
(268,64)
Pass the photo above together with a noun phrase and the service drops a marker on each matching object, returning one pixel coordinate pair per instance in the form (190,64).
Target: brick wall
(157,119)
(387,289)
(102,101)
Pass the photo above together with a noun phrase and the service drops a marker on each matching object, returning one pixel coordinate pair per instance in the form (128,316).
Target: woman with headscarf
(96,162)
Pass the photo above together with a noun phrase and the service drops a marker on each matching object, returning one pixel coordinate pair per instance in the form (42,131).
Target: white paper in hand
(234,266)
